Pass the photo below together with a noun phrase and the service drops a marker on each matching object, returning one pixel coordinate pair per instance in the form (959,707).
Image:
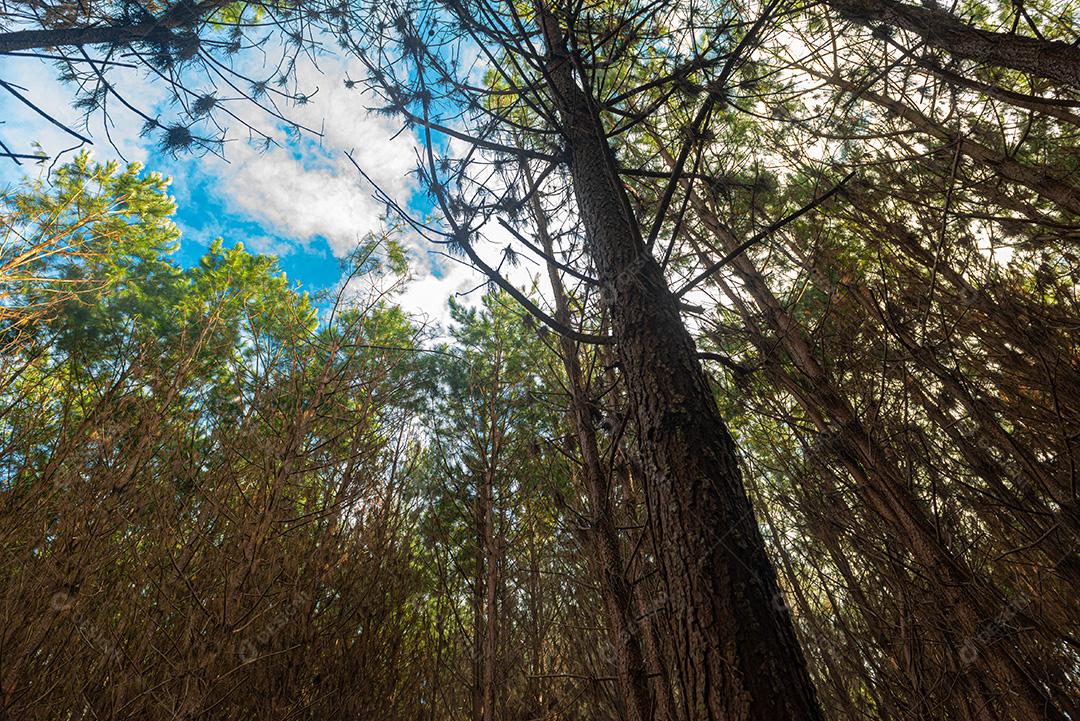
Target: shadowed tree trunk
(878,480)
(738,656)
(941,30)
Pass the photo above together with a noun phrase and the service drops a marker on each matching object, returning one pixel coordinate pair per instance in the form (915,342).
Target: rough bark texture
(77,37)
(737,653)
(1050,59)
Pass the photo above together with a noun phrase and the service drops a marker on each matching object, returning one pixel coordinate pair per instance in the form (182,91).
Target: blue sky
(205,214)
(301,200)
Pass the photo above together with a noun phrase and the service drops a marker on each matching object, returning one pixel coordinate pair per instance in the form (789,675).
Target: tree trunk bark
(941,30)
(490,553)
(738,656)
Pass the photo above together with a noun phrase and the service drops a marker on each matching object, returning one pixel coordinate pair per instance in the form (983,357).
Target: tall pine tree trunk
(737,652)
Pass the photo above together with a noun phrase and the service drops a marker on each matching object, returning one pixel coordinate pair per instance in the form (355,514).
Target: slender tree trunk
(737,651)
(491,550)
(967,600)
(478,693)
(1039,180)
(614,587)
(535,625)
(487,679)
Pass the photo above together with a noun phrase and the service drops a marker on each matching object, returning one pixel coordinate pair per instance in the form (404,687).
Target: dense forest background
(768,406)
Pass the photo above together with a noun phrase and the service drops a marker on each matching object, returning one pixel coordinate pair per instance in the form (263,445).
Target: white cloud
(266,245)
(305,188)
(427,296)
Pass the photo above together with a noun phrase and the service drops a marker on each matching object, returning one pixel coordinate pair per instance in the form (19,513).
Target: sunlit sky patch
(300,200)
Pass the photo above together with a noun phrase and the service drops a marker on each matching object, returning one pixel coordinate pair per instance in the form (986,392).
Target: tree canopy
(768,406)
